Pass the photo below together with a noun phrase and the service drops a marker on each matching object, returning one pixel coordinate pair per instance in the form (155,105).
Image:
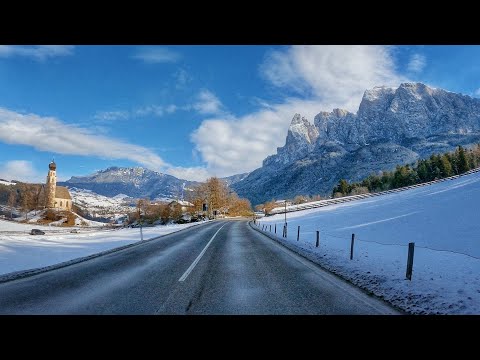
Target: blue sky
(190,111)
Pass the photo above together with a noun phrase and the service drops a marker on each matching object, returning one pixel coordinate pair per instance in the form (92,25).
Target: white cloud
(417,63)
(192,173)
(476,93)
(21,170)
(325,77)
(111,115)
(52,135)
(37,52)
(240,144)
(149,110)
(336,75)
(157,55)
(182,78)
(208,104)
(171,108)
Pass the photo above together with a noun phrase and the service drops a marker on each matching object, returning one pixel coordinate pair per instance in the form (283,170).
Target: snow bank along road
(221,267)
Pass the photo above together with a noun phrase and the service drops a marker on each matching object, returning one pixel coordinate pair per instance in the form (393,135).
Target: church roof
(62,193)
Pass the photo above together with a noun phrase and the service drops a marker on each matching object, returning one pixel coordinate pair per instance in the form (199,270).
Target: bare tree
(269,206)
(176,212)
(26,201)
(142,205)
(12,201)
(36,198)
(217,196)
(259,207)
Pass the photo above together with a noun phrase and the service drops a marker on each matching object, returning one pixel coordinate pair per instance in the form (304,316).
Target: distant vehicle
(36,232)
(74,231)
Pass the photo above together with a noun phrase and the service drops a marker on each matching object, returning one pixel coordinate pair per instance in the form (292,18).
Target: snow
(6,182)
(99,205)
(184,203)
(377,92)
(21,251)
(442,221)
(15,226)
(120,197)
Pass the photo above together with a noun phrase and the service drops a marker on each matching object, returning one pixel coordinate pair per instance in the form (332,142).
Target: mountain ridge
(137,182)
(392,126)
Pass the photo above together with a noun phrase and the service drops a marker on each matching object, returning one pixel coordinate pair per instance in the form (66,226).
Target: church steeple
(51,186)
(52,165)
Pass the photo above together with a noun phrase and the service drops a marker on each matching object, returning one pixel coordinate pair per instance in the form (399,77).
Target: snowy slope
(16,226)
(5,182)
(441,219)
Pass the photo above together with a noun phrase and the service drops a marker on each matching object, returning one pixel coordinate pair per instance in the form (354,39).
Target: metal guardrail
(322,203)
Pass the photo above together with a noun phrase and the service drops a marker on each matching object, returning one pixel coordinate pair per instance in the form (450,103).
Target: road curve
(222,267)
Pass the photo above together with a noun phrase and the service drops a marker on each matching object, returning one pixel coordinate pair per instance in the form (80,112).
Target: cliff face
(392,126)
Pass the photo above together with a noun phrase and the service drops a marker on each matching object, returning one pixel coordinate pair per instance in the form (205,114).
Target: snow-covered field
(21,251)
(441,219)
(36,215)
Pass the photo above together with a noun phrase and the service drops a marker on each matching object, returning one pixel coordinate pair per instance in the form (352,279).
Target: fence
(311,238)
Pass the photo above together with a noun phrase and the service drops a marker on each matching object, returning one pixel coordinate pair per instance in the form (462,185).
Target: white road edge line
(195,262)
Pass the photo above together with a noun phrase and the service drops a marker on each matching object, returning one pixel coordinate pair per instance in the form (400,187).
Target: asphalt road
(222,267)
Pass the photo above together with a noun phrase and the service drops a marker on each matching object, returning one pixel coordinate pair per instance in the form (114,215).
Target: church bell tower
(51,185)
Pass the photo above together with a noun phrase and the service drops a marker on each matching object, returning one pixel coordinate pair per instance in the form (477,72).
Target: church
(56,197)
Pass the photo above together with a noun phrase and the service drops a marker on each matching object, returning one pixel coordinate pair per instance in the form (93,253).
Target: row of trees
(218,197)
(27,197)
(152,212)
(436,167)
(214,193)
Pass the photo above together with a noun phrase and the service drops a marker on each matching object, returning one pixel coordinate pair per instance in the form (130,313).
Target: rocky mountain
(392,126)
(134,182)
(230,180)
(137,182)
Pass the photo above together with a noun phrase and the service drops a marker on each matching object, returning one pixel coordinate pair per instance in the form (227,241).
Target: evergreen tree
(445,166)
(435,167)
(422,170)
(462,161)
(342,187)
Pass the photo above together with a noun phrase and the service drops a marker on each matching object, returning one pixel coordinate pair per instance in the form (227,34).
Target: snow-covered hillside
(101,206)
(6,182)
(441,219)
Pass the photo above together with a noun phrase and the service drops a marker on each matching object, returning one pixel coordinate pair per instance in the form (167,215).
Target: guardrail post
(275,228)
(298,233)
(411,249)
(270,228)
(318,239)
(351,246)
